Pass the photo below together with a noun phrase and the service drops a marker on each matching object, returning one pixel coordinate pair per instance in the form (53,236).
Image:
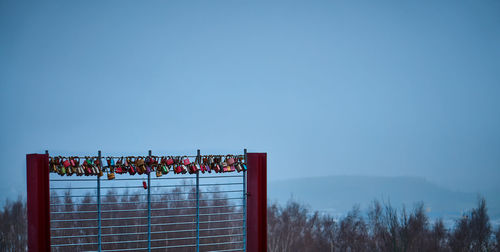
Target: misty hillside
(338,194)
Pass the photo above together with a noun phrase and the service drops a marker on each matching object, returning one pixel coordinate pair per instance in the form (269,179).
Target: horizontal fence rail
(173,212)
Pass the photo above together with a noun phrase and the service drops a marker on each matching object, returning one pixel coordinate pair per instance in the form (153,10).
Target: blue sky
(384,88)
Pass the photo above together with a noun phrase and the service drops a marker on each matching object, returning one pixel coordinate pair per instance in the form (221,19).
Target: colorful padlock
(119,166)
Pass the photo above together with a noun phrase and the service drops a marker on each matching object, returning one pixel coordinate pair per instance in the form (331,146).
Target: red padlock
(229,160)
(184,169)
(119,168)
(154,163)
(194,168)
(186,161)
(216,166)
(170,161)
(129,166)
(87,167)
(206,163)
(144,185)
(66,163)
(178,169)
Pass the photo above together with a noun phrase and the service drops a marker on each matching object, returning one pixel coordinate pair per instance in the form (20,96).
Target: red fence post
(37,182)
(257,202)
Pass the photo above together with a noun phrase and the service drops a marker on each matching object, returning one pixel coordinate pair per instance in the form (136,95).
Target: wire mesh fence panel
(171,212)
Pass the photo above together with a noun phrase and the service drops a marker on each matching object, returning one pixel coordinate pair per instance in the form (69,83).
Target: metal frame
(207,237)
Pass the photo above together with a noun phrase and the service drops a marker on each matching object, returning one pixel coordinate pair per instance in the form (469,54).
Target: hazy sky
(384,88)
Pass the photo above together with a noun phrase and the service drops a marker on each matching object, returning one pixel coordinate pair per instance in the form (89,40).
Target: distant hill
(338,194)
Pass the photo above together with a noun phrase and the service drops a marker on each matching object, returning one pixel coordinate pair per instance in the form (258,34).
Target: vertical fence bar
(257,202)
(197,206)
(149,207)
(37,183)
(245,204)
(99,202)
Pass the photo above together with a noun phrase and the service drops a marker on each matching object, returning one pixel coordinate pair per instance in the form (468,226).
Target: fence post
(99,204)
(245,203)
(257,202)
(197,206)
(37,183)
(149,206)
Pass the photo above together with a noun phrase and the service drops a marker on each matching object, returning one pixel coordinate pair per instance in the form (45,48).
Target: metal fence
(173,212)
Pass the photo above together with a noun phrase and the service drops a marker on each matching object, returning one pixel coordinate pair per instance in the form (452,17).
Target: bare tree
(480,227)
(13,226)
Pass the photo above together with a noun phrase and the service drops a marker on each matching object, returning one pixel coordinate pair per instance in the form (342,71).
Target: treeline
(290,228)
(124,221)
(13,226)
(384,228)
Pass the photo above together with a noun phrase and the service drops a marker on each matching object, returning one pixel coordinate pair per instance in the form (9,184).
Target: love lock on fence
(147,202)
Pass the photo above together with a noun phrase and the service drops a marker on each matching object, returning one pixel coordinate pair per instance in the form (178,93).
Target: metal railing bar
(73,188)
(123,187)
(68,220)
(210,214)
(220,243)
(108,203)
(71,228)
(209,207)
(173,239)
(71,180)
(229,176)
(180,215)
(123,210)
(223,191)
(204,207)
(173,231)
(205,192)
(124,249)
(176,246)
(126,226)
(226,250)
(175,223)
(75,212)
(71,204)
(132,210)
(224,228)
(123,195)
(121,202)
(164,178)
(195,200)
(124,179)
(113,242)
(73,244)
(206,222)
(125,218)
(140,233)
(74,196)
(217,236)
(72,236)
